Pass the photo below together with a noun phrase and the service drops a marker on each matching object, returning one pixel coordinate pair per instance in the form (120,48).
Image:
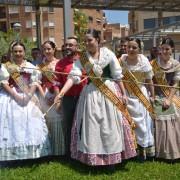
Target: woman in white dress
(49,89)
(137,68)
(23,131)
(101,135)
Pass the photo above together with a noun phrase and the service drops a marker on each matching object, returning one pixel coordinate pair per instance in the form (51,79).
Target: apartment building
(115,31)
(51,24)
(141,21)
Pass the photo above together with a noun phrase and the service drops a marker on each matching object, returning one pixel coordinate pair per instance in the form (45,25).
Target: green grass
(63,170)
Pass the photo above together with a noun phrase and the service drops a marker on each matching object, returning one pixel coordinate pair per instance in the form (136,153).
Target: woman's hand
(21,100)
(59,97)
(166,103)
(58,101)
(125,100)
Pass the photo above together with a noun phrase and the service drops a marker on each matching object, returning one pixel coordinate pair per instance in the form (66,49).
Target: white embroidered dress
(144,130)
(23,131)
(98,128)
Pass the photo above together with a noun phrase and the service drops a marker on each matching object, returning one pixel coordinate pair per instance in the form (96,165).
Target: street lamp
(17,28)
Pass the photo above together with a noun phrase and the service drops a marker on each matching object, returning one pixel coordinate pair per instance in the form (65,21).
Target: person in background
(101,134)
(4,58)
(122,47)
(136,68)
(48,90)
(23,134)
(72,95)
(36,56)
(63,51)
(167,103)
(154,52)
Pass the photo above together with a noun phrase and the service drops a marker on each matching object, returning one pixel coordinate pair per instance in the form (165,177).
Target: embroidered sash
(45,71)
(133,88)
(161,80)
(15,75)
(108,93)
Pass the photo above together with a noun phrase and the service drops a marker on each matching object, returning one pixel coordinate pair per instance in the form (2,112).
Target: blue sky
(117,16)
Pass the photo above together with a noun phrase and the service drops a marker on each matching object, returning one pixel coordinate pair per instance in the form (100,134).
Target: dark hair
(35,49)
(51,43)
(138,41)
(19,44)
(94,33)
(123,40)
(168,41)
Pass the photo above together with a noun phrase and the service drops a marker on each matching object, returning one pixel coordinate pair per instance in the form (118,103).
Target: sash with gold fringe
(106,91)
(45,71)
(133,88)
(15,75)
(162,81)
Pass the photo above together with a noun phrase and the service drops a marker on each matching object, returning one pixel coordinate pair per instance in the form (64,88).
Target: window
(13,9)
(3,26)
(172,19)
(52,39)
(177,18)
(166,20)
(46,24)
(28,24)
(51,24)
(34,23)
(149,23)
(3,12)
(51,9)
(44,9)
(28,8)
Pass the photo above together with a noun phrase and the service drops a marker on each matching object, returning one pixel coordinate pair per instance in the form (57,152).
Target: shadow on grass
(77,166)
(93,170)
(80,168)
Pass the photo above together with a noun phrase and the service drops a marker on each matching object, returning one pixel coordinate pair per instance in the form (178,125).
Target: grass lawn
(61,169)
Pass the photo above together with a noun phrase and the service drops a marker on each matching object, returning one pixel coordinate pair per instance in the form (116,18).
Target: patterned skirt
(100,134)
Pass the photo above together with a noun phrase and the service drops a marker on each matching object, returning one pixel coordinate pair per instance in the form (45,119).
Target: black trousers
(69,107)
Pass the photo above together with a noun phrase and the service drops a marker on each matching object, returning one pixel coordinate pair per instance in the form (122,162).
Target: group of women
(130,106)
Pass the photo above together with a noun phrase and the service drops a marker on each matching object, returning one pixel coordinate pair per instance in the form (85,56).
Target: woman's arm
(8,89)
(124,97)
(40,89)
(69,83)
(15,96)
(150,87)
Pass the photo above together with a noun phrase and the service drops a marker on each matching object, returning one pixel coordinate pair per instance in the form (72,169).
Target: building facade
(142,21)
(51,22)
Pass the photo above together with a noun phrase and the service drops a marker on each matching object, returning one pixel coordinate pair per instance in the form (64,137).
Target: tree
(80,25)
(7,37)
